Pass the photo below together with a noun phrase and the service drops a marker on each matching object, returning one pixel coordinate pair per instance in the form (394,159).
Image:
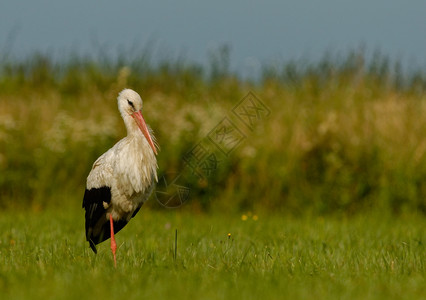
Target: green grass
(43,255)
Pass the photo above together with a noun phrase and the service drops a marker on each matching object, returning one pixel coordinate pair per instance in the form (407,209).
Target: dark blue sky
(257,31)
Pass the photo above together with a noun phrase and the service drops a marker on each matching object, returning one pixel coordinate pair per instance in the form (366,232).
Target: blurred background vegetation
(345,134)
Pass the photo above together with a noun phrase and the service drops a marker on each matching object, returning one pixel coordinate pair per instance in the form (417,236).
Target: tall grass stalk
(343,135)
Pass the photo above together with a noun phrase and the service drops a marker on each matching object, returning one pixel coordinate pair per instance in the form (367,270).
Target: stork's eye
(131,103)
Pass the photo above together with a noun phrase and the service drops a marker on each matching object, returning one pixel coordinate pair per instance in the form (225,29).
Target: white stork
(122,178)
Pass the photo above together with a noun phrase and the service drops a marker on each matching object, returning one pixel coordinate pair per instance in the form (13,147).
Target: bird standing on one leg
(122,178)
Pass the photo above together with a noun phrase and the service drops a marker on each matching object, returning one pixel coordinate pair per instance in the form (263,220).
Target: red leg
(113,243)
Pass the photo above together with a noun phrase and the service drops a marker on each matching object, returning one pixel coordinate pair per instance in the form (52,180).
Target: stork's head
(130,105)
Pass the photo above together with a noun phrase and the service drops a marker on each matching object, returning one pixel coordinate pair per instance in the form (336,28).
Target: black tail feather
(97,224)
(105,232)
(95,212)
(96,216)
(93,246)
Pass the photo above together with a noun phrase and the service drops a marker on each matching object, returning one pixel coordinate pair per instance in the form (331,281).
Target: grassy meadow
(324,196)
(44,256)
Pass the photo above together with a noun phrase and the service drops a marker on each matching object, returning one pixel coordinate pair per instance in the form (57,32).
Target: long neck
(131,126)
(133,131)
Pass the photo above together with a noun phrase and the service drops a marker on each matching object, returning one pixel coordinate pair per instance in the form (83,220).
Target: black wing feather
(96,216)
(95,212)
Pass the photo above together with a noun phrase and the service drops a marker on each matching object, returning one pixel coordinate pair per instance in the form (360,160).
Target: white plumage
(121,179)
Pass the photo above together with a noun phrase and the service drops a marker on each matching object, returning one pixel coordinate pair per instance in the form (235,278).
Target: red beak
(142,126)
